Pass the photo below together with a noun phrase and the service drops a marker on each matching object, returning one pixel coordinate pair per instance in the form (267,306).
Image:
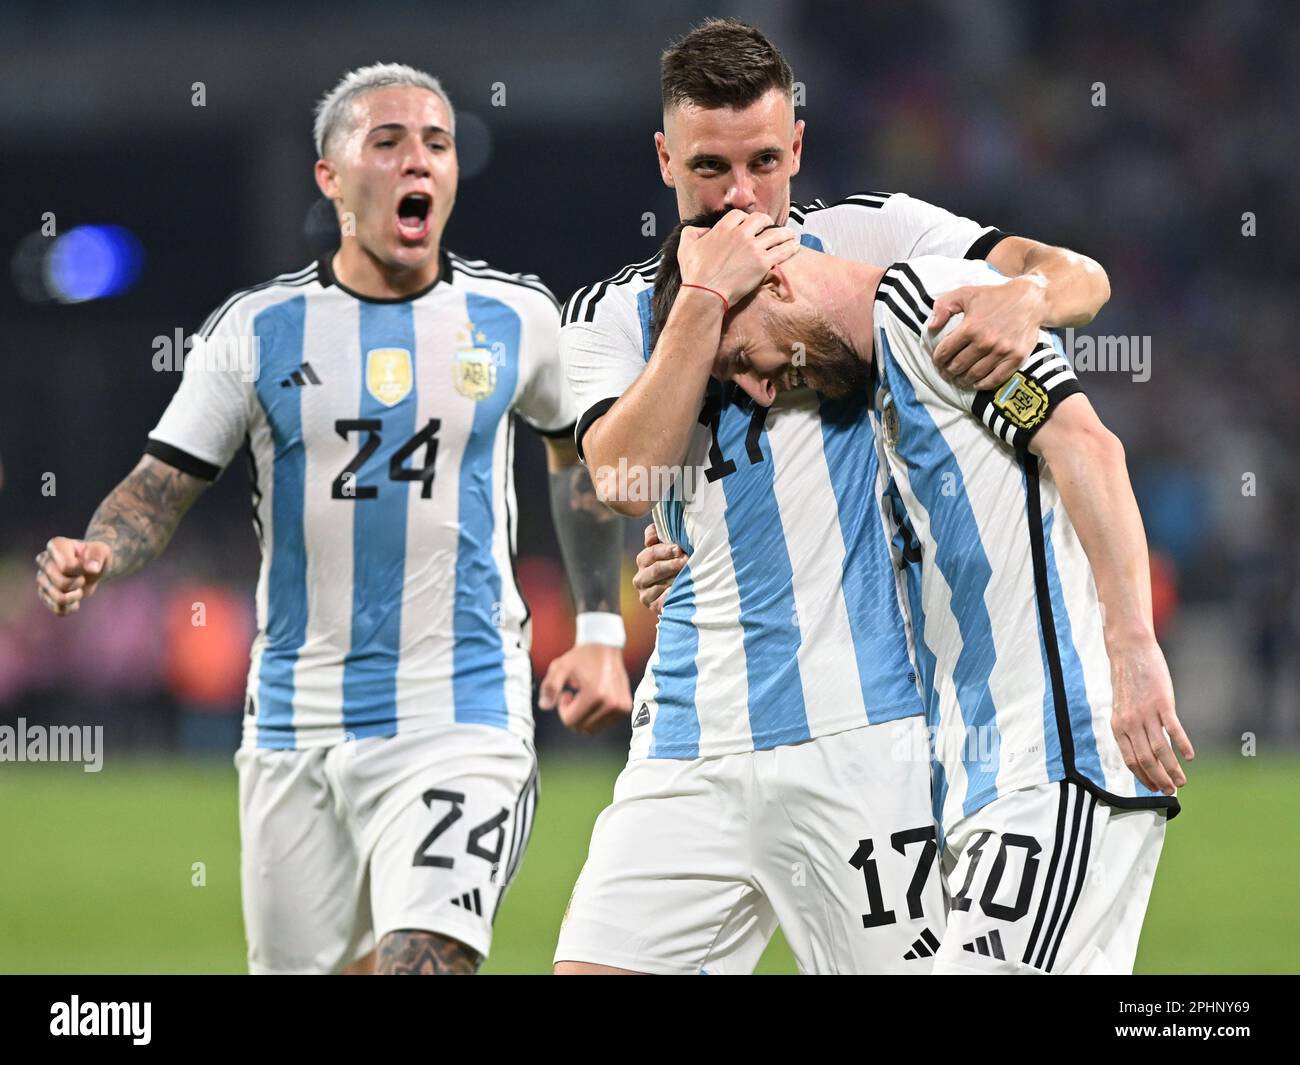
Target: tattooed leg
(408,952)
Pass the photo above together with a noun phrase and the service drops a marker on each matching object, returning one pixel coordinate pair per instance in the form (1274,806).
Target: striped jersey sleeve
(208,418)
(1014,410)
(603,331)
(884,227)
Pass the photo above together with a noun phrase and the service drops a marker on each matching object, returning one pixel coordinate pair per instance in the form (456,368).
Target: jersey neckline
(327,277)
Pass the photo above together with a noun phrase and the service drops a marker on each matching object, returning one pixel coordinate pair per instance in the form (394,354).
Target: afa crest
(474,373)
(1022,401)
(389,374)
(888,417)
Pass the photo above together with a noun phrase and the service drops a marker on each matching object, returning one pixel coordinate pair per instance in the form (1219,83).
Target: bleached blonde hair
(334,111)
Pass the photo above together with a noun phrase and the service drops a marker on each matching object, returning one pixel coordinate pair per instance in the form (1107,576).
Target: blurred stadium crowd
(1180,181)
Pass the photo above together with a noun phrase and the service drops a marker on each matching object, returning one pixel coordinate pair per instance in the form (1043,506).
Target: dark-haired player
(763,784)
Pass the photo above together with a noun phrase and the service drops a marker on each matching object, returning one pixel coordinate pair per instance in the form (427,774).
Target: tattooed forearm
(410,953)
(591,539)
(138,517)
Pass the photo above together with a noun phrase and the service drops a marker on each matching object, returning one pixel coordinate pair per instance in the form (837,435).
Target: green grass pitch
(98,872)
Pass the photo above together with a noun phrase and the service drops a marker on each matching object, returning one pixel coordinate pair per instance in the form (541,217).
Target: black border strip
(325,271)
(181,460)
(985,243)
(584,423)
(555,434)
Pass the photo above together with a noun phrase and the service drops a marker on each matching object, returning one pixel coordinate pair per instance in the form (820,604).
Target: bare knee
(410,952)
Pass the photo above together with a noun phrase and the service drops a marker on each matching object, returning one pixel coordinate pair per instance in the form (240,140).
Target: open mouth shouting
(414,216)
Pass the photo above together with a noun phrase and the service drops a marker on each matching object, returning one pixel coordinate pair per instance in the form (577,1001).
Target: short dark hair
(668,278)
(722,63)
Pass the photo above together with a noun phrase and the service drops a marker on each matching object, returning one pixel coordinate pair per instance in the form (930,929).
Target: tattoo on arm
(139,516)
(591,540)
(408,952)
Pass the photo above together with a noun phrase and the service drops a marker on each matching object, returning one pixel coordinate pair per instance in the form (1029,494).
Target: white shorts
(341,845)
(696,861)
(1048,879)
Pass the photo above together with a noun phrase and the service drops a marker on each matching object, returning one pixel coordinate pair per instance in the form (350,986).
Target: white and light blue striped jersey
(786,622)
(1004,613)
(380,435)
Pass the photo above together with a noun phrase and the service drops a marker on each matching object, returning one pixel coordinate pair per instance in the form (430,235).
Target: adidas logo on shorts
(471,901)
(985,944)
(924,947)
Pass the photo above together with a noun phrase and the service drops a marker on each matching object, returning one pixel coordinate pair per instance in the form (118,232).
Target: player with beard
(1024,566)
(762,783)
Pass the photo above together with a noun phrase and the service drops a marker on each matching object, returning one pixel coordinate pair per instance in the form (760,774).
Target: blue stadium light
(92,262)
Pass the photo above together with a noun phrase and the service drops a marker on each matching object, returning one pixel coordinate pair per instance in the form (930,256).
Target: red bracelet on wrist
(726,306)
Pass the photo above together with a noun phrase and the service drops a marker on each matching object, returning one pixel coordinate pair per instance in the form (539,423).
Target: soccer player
(1024,566)
(761,785)
(387,778)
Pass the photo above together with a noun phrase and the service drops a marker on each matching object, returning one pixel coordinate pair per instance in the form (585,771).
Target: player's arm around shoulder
(1045,286)
(935,284)
(132,526)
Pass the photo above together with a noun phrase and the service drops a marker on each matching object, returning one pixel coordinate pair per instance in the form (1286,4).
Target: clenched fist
(68,571)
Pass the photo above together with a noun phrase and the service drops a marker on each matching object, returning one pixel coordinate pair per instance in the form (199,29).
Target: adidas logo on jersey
(642,716)
(924,947)
(986,944)
(304,375)
(471,901)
